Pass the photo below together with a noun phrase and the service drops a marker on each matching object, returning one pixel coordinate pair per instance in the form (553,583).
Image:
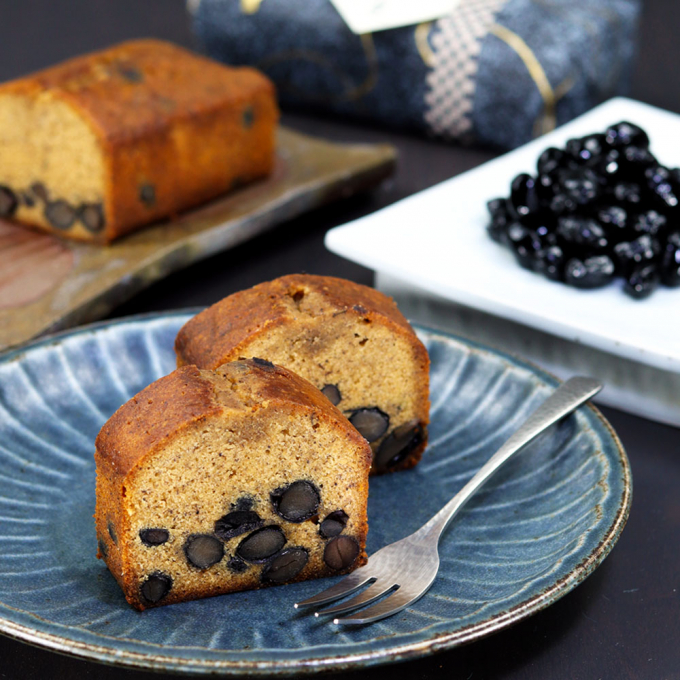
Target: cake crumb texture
(348,340)
(104,143)
(210,482)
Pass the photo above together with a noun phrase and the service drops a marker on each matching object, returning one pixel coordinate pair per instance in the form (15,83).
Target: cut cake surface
(348,340)
(210,482)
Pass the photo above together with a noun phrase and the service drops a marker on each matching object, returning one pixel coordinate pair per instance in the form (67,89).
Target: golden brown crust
(166,118)
(147,420)
(214,336)
(153,415)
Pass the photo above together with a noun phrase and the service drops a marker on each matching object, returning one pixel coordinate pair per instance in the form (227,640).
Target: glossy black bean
(261,544)
(523,197)
(372,423)
(399,444)
(642,281)
(296,502)
(155,587)
(237,522)
(591,272)
(154,536)
(341,552)
(285,566)
(203,550)
(626,134)
(670,261)
(333,524)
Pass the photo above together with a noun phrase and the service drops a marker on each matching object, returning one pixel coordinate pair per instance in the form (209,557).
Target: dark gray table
(624,621)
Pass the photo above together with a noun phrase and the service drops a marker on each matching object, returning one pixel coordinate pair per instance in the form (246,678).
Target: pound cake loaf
(348,340)
(97,146)
(210,482)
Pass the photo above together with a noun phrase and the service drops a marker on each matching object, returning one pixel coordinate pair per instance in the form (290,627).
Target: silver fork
(405,570)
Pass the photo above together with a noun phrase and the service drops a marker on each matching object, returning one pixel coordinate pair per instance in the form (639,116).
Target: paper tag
(369,16)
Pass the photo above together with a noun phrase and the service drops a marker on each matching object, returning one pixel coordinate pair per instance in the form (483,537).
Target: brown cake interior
(243,457)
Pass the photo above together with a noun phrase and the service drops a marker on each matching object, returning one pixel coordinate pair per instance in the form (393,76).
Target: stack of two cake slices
(234,472)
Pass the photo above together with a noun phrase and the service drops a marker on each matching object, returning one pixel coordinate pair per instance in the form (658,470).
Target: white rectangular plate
(437,240)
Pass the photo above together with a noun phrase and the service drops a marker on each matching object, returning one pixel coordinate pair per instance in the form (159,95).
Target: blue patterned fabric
(494,72)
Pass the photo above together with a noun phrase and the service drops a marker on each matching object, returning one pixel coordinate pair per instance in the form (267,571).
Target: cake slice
(101,144)
(348,340)
(209,482)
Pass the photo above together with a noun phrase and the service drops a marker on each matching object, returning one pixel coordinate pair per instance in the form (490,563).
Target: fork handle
(565,399)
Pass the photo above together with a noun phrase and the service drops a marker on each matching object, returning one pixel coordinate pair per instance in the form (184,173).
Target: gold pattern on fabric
(250,6)
(547,120)
(421,36)
(603,63)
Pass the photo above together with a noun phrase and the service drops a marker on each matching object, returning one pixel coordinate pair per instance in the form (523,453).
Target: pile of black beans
(601,207)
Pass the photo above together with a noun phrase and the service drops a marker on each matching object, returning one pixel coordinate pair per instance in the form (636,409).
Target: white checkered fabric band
(456,43)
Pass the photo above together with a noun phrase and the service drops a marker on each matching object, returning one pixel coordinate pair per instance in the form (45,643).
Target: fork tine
(392,604)
(348,585)
(371,593)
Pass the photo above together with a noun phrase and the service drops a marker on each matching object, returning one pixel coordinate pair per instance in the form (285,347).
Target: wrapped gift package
(493,72)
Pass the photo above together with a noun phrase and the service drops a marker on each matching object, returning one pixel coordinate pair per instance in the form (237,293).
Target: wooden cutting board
(48,284)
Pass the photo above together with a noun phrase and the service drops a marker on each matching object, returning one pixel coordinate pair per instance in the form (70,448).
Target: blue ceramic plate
(540,527)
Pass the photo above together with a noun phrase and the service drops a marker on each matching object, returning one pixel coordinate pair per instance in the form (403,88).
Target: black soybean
(372,423)
(285,566)
(586,149)
(154,536)
(642,281)
(92,216)
(296,502)
(582,231)
(203,550)
(551,263)
(399,444)
(332,393)
(670,261)
(650,222)
(237,565)
(526,250)
(341,552)
(155,587)
(627,193)
(601,206)
(663,188)
(261,544)
(523,196)
(592,272)
(550,161)
(237,522)
(626,134)
(613,217)
(60,214)
(8,201)
(333,524)
(579,185)
(630,254)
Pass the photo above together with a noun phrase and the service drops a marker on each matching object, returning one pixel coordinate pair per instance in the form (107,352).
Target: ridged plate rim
(349,661)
